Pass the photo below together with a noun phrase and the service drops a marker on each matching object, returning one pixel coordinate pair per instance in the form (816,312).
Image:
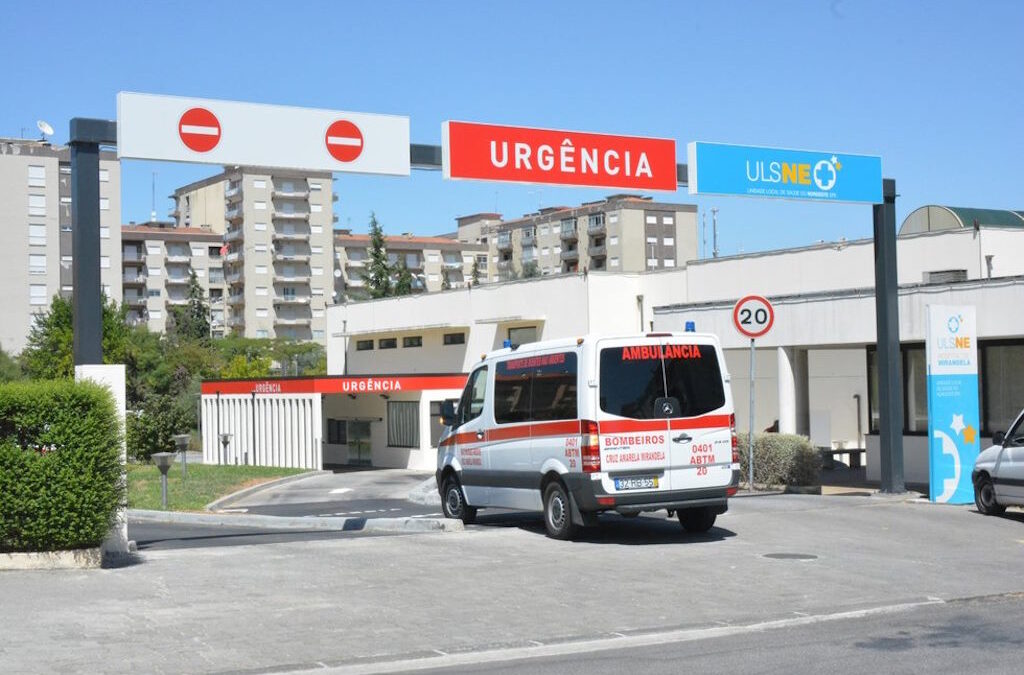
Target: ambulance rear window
(633,377)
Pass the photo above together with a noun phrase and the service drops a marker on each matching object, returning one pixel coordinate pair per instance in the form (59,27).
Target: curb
(300,523)
(227,500)
(77,559)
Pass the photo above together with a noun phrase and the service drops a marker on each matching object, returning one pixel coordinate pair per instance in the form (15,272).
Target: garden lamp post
(181,443)
(163,461)
(225,440)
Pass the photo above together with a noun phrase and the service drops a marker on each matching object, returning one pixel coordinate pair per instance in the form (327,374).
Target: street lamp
(181,443)
(225,440)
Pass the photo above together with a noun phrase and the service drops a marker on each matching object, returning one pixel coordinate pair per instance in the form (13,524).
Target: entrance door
(359,443)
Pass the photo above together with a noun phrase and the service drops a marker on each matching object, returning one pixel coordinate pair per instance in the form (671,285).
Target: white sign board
(209,131)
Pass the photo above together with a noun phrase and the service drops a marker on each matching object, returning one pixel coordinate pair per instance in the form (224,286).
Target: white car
(999,472)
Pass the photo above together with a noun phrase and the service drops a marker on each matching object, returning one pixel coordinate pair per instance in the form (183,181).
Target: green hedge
(781,459)
(61,478)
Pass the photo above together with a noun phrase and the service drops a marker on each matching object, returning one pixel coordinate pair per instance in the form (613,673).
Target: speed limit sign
(753,316)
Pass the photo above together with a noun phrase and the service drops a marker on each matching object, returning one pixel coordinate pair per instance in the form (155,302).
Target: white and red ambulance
(576,427)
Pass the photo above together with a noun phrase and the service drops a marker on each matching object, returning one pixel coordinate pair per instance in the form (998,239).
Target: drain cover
(790,556)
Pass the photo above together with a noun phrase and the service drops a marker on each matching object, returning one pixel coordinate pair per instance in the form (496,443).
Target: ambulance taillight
(735,439)
(590,446)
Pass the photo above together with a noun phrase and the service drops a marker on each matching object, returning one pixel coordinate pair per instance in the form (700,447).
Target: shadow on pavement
(611,529)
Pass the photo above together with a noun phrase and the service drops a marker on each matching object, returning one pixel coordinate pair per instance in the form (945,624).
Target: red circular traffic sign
(753,316)
(344,141)
(199,129)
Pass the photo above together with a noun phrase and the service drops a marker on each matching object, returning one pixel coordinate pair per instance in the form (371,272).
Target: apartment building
(158,261)
(430,260)
(277,226)
(622,233)
(35,232)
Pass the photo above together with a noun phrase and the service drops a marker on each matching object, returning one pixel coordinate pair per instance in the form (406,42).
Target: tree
(49,352)
(191,322)
(9,368)
(378,272)
(446,279)
(530,270)
(403,279)
(476,271)
(240,368)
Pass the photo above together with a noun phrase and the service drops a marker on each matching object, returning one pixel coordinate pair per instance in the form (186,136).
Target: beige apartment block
(158,260)
(277,225)
(429,259)
(623,233)
(35,232)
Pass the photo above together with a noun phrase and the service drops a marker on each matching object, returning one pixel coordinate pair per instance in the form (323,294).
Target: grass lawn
(205,483)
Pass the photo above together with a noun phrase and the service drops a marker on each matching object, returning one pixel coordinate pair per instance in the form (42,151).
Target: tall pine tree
(378,272)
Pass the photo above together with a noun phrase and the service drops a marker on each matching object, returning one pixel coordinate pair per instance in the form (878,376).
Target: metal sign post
(753,316)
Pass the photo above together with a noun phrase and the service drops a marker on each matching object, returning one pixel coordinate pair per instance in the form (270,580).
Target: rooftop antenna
(44,129)
(152,213)
(704,234)
(714,232)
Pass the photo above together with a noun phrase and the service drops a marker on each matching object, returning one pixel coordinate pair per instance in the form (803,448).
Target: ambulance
(573,428)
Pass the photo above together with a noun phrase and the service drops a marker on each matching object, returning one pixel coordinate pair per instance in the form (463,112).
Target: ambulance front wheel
(558,512)
(453,501)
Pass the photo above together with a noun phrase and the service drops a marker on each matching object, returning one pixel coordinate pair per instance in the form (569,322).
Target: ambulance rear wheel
(697,520)
(453,502)
(558,512)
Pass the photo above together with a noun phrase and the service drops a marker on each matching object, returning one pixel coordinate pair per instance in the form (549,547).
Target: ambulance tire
(453,502)
(698,520)
(558,512)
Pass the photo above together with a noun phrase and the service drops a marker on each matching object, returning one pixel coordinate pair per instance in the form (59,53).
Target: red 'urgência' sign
(525,155)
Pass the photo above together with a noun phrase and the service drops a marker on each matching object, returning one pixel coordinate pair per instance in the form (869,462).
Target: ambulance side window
(472,402)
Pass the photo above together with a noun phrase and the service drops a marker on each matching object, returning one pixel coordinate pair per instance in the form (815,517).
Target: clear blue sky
(935,88)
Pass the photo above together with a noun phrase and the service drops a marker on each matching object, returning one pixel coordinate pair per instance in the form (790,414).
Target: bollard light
(181,444)
(225,440)
(163,461)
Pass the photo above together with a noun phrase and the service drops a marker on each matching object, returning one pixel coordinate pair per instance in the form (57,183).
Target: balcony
(233,214)
(236,321)
(597,251)
(234,234)
(233,193)
(570,255)
(133,260)
(504,242)
(178,258)
(295,278)
(177,302)
(292,320)
(290,215)
(296,192)
(453,264)
(505,264)
(176,281)
(355,282)
(595,224)
(290,235)
(234,257)
(136,301)
(568,232)
(133,280)
(235,278)
(529,239)
(355,263)
(283,256)
(291,300)
(236,299)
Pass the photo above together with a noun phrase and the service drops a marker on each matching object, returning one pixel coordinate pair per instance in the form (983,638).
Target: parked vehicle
(573,428)
(999,472)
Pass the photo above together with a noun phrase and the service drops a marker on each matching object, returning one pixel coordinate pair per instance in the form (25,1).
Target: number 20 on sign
(753,317)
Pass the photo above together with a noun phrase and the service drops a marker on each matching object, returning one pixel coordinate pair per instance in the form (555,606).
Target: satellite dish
(44,128)
(337,273)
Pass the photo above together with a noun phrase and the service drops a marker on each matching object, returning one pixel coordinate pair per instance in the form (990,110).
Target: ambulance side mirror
(448,413)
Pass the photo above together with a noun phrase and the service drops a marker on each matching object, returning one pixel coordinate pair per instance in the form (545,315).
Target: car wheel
(558,512)
(453,501)
(697,520)
(985,497)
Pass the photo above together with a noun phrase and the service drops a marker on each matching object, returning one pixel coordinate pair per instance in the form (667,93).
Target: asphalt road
(367,508)
(980,635)
(150,536)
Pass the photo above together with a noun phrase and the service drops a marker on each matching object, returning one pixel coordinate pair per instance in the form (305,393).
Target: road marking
(234,510)
(445,660)
(339,491)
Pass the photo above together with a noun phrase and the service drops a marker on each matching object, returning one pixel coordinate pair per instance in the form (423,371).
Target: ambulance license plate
(636,483)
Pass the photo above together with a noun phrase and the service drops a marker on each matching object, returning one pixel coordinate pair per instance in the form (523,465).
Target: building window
(104,262)
(364,345)
(667,220)
(259,206)
(258,183)
(316,229)
(262,333)
(260,269)
(262,290)
(522,335)
(317,271)
(316,250)
(104,233)
(652,262)
(156,314)
(403,424)
(651,220)
(213,251)
(433,277)
(412,341)
(336,432)
(259,227)
(318,313)
(104,204)
(669,241)
(37,235)
(104,175)
(37,263)
(262,313)
(259,248)
(613,240)
(454,338)
(37,205)
(315,187)
(613,218)
(153,293)
(37,294)
(197,252)
(318,335)
(669,263)
(387,343)
(37,176)
(316,208)
(1002,375)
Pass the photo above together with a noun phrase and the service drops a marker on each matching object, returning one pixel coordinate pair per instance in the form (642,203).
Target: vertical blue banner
(954,421)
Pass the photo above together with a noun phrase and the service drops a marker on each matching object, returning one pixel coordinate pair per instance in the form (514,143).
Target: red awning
(336,384)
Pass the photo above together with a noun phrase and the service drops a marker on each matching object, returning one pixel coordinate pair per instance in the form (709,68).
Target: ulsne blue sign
(716,168)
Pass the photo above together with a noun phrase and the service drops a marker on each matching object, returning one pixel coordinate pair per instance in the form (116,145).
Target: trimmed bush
(61,478)
(781,459)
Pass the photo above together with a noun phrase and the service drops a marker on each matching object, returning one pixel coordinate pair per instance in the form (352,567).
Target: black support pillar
(85,139)
(890,379)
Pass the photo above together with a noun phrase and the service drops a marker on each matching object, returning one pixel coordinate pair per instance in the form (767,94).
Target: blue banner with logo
(954,422)
(748,171)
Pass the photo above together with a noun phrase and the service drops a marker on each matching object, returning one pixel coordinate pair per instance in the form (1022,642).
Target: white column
(786,390)
(113,378)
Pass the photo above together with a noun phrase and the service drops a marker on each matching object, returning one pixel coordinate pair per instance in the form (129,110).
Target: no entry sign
(526,155)
(199,129)
(234,133)
(344,141)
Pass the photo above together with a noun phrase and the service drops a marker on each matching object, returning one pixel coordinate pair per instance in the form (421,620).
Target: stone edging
(299,523)
(76,559)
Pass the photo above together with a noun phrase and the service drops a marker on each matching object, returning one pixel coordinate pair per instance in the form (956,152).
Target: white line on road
(234,510)
(338,491)
(444,660)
